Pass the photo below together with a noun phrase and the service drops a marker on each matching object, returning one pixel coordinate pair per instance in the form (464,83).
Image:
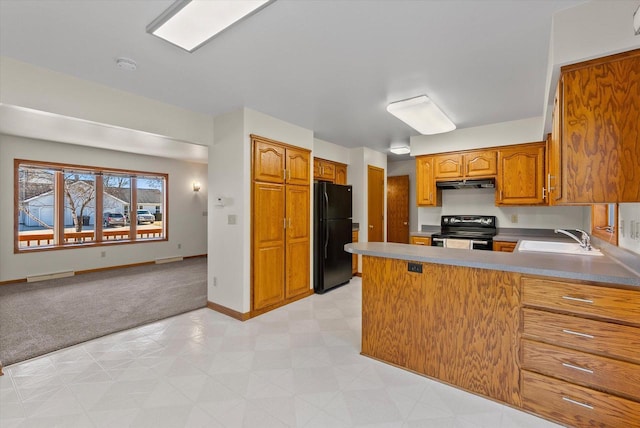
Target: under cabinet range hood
(485,183)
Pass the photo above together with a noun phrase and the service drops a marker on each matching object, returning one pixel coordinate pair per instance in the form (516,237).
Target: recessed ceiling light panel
(191,23)
(421,114)
(400,150)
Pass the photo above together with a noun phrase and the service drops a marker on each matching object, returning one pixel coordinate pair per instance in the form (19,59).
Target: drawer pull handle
(577,403)
(575,333)
(582,369)
(577,299)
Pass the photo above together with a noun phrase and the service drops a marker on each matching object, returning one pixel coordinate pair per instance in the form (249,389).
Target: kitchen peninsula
(556,335)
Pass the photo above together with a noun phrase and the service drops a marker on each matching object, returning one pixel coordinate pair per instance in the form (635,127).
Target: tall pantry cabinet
(280,224)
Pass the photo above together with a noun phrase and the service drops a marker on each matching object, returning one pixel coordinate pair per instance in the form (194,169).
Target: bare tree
(79,193)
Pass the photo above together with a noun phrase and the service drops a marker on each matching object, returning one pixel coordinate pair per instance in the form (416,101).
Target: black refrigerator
(332,228)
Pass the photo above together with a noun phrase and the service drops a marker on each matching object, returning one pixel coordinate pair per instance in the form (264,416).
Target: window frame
(59,206)
(604,222)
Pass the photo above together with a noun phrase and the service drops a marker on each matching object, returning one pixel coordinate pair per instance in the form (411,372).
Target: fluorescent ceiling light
(401,150)
(191,23)
(421,114)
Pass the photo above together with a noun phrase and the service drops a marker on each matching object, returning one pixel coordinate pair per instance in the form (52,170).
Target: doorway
(375,193)
(398,209)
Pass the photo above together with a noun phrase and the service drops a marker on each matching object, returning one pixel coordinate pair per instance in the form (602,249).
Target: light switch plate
(231,219)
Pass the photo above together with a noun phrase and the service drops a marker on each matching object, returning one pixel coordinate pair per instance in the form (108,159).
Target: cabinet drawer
(589,300)
(616,377)
(421,240)
(603,338)
(575,405)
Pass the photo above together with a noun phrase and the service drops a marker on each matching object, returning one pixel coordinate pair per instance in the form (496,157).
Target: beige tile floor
(298,366)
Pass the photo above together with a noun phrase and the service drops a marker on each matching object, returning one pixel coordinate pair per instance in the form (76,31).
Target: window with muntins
(55,206)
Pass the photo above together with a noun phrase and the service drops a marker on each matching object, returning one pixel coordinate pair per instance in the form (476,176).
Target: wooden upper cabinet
(426,192)
(521,175)
(554,151)
(297,166)
(600,140)
(268,161)
(480,163)
(326,170)
(341,174)
(448,165)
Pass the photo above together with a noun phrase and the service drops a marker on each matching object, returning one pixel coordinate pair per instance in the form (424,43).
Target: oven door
(476,244)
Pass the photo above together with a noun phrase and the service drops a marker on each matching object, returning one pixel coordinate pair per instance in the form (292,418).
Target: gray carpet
(36,318)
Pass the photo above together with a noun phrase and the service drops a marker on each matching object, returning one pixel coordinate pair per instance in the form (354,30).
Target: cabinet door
(327,171)
(317,169)
(600,140)
(421,240)
(268,244)
(297,166)
(298,242)
(341,174)
(427,194)
(554,154)
(448,166)
(480,164)
(521,175)
(505,247)
(268,162)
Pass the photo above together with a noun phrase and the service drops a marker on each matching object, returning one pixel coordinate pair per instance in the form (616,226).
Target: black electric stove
(479,229)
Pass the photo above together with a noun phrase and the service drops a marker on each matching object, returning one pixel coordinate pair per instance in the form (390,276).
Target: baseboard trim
(257,312)
(80,272)
(228,312)
(52,275)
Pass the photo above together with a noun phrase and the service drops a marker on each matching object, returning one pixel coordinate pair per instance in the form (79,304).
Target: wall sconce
(196,186)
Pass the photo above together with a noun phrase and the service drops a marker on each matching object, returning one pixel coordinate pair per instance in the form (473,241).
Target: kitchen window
(604,220)
(55,206)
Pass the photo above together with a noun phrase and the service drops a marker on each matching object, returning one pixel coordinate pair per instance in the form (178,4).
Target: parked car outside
(144,216)
(112,219)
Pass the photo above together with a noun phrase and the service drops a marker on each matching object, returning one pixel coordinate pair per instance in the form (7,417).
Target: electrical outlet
(215,281)
(622,228)
(632,229)
(103,254)
(179,246)
(414,267)
(514,218)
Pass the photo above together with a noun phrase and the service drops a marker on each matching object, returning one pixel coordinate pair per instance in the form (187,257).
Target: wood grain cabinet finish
(599,110)
(521,175)
(327,170)
(354,257)
(481,163)
(280,224)
(341,174)
(456,324)
(421,240)
(554,151)
(504,246)
(579,352)
(427,195)
(575,405)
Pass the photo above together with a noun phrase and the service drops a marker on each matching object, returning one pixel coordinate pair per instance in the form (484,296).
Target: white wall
(187,225)
(626,214)
(25,85)
(230,176)
(482,202)
(407,167)
(497,134)
(329,151)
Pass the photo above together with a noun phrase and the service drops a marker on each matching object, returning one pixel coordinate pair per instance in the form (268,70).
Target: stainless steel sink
(556,247)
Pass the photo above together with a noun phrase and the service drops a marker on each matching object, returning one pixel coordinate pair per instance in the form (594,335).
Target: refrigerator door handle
(326,239)
(326,203)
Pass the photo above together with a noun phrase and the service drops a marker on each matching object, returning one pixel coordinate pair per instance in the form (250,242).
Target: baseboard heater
(169,260)
(47,276)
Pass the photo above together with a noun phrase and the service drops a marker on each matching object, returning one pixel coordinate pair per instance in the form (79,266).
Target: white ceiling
(329,66)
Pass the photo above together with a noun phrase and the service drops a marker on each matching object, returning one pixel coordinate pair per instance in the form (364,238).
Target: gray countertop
(603,269)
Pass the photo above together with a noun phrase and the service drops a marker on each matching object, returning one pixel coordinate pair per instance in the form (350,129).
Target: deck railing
(46,237)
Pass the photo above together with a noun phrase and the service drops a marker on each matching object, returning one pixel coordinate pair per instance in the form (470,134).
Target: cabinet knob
(370,226)
(405,223)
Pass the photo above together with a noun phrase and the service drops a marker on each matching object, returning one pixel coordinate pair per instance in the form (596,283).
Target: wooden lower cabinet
(576,405)
(453,323)
(354,258)
(421,240)
(505,247)
(580,352)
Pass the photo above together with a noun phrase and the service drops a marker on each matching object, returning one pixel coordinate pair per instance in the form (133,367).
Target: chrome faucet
(584,240)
